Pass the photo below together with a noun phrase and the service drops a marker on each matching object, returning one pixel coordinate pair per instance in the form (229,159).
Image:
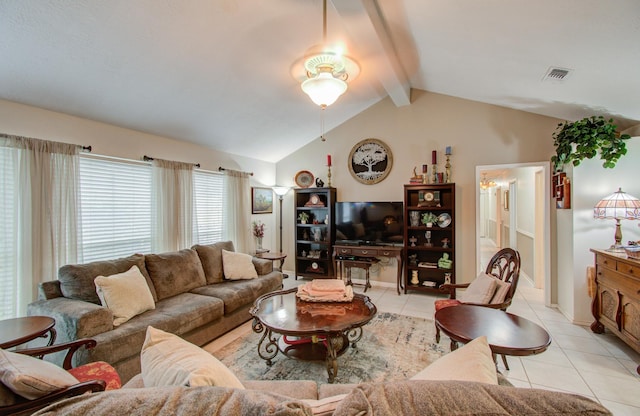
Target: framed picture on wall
(261,200)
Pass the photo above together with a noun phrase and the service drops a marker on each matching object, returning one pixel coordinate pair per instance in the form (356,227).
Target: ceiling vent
(557,74)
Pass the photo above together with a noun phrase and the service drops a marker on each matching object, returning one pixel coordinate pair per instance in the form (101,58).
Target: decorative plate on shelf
(304,179)
(444,220)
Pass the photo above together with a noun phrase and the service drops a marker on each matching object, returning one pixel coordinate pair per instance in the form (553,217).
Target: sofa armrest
(49,290)
(75,319)
(262,266)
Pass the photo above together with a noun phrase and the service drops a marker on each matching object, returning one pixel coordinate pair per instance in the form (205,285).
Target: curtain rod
(220,168)
(149,159)
(14,136)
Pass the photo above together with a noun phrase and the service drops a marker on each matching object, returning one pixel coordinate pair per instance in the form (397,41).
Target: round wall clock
(304,179)
(370,161)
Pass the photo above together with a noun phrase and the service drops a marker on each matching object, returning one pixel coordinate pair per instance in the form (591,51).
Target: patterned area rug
(393,347)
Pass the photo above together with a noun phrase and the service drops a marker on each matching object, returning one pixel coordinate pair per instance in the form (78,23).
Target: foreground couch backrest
(192,300)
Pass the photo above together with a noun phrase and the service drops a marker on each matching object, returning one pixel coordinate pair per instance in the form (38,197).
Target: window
(115,201)
(208,194)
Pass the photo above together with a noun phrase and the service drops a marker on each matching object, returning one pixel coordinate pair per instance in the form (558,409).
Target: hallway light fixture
(619,205)
(486,183)
(326,70)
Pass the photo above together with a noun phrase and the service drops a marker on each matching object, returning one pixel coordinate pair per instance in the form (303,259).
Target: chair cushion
(502,288)
(443,303)
(125,294)
(471,362)
(98,370)
(31,377)
(168,360)
(238,266)
(480,290)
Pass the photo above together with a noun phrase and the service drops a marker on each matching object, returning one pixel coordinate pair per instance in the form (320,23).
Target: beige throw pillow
(502,288)
(238,266)
(481,290)
(326,406)
(125,294)
(471,362)
(31,377)
(168,360)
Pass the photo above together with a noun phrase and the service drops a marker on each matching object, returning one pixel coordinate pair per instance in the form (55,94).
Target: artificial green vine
(590,136)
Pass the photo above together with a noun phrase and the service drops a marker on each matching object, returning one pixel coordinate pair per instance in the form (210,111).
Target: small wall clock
(370,161)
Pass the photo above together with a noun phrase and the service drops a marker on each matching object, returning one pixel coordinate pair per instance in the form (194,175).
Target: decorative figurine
(319,183)
(427,235)
(413,259)
(447,166)
(413,241)
(444,262)
(445,243)
(414,277)
(447,278)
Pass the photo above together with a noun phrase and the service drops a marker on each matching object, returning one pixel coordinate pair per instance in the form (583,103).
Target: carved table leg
(334,344)
(267,350)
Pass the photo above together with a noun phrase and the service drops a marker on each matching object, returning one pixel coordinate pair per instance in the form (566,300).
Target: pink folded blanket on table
(309,293)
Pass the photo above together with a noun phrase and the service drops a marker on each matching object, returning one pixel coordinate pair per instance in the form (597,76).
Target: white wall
(578,231)
(480,134)
(110,140)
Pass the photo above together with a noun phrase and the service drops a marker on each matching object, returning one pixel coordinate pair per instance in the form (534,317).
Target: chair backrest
(505,265)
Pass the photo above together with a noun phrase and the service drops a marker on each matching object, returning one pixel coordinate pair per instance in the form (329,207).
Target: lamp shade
(281,190)
(618,205)
(324,89)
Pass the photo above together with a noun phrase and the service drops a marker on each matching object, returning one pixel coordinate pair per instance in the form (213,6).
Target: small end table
(358,264)
(18,331)
(278,255)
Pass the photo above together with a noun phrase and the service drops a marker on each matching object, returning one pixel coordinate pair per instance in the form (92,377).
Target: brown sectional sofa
(192,300)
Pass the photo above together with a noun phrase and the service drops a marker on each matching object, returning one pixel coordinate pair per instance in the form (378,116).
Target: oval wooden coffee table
(506,333)
(309,330)
(18,331)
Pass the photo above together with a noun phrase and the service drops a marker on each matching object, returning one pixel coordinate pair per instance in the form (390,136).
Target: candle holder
(329,176)
(434,174)
(447,171)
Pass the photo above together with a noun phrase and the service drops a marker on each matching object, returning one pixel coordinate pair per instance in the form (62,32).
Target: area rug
(393,347)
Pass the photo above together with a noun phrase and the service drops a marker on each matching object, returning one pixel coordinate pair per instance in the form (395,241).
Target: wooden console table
(616,304)
(371,251)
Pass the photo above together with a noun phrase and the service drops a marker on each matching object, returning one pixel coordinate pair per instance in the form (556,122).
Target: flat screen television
(369,223)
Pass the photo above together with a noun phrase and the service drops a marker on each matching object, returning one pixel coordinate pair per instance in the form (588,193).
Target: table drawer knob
(365,251)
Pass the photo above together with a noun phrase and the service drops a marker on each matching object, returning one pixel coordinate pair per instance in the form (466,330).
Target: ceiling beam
(366,26)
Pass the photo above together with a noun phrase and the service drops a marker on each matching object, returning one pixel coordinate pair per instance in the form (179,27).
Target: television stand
(348,251)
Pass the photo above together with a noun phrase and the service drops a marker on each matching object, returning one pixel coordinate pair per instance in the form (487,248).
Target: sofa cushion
(179,401)
(238,293)
(238,266)
(76,280)
(31,377)
(175,272)
(125,294)
(168,360)
(211,259)
(471,362)
(461,398)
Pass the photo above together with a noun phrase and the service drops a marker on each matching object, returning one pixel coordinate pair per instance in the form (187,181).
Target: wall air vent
(557,74)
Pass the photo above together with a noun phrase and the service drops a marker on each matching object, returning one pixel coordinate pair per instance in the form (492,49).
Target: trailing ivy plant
(585,139)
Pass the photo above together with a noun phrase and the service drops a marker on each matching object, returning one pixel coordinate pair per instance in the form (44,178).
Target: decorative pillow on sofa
(471,362)
(76,280)
(480,290)
(211,258)
(168,360)
(175,272)
(125,294)
(31,377)
(238,266)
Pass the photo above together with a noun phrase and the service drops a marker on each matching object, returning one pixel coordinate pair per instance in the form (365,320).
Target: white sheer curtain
(173,210)
(237,210)
(45,203)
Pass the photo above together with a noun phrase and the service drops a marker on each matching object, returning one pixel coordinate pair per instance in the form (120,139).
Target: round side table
(18,331)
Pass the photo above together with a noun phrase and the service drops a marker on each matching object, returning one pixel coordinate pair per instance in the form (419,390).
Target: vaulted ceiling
(225,73)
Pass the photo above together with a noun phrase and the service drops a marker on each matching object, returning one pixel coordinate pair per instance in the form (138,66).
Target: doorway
(512,210)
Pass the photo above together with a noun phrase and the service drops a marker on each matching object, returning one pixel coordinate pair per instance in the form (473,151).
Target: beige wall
(110,140)
(480,134)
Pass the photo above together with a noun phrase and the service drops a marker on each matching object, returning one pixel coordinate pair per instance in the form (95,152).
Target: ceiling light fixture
(486,183)
(326,71)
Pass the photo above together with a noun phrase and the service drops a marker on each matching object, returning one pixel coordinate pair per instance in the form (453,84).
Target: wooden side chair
(495,288)
(92,377)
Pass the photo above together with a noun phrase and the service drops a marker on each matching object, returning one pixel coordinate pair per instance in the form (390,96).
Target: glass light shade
(324,89)
(618,205)
(281,190)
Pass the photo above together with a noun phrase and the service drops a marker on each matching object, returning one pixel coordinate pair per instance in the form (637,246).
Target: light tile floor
(578,361)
